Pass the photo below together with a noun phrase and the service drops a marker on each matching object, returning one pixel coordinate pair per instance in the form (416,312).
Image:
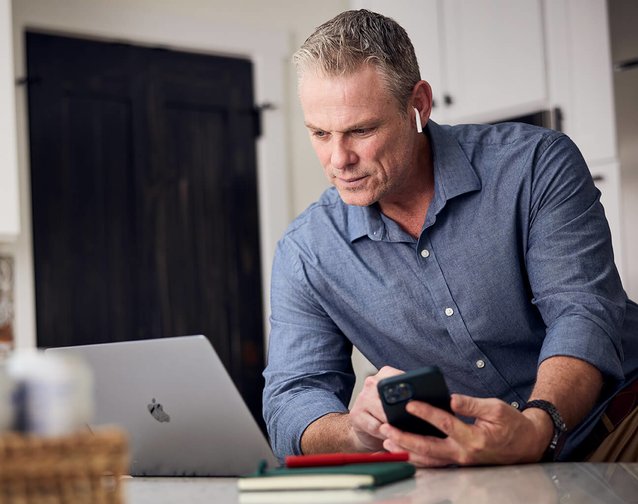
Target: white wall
(266,32)
(9,218)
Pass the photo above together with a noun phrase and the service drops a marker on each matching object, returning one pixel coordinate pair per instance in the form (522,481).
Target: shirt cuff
(299,412)
(583,339)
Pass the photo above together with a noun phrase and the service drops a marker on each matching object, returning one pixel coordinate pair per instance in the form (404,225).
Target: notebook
(349,476)
(173,396)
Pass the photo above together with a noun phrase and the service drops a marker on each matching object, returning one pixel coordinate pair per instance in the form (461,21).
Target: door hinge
(27,81)
(257,121)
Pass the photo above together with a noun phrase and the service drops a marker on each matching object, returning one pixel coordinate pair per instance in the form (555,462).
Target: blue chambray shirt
(514,265)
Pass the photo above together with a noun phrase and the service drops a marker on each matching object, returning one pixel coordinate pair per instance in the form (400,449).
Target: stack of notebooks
(345,473)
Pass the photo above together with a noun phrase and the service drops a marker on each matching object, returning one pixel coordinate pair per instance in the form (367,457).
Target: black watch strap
(559,424)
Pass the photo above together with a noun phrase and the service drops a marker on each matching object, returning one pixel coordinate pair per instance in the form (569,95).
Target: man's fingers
(368,401)
(418,459)
(371,425)
(424,451)
(496,428)
(442,420)
(387,371)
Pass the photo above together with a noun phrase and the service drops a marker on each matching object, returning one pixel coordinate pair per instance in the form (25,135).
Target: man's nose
(342,155)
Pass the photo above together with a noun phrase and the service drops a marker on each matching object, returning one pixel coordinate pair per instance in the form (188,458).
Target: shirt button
(515,404)
(449,312)
(425,253)
(480,364)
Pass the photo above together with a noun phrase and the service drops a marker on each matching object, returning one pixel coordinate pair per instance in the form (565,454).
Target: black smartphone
(425,384)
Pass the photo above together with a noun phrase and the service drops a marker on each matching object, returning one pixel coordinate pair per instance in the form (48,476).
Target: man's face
(366,145)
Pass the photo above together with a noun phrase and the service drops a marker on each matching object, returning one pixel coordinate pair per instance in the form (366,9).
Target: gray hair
(356,38)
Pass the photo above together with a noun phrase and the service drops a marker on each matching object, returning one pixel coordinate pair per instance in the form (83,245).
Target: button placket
(453,319)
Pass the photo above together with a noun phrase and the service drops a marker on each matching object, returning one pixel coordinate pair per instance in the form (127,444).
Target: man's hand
(500,434)
(356,431)
(367,415)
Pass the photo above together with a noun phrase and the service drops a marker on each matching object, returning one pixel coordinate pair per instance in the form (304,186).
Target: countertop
(578,483)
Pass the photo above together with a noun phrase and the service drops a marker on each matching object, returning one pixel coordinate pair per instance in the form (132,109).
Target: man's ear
(421,100)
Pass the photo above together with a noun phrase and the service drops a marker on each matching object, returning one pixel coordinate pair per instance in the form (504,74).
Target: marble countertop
(577,483)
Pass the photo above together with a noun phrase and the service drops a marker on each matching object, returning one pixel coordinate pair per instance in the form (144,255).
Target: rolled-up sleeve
(309,371)
(570,262)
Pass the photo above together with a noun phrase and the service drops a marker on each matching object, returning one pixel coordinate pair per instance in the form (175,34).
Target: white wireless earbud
(419,127)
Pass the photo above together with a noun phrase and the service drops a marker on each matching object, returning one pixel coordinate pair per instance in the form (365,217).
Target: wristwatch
(559,424)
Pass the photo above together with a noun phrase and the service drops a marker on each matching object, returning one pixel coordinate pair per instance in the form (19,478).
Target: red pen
(330,459)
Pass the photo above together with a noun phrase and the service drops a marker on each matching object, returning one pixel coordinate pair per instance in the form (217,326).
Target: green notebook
(327,477)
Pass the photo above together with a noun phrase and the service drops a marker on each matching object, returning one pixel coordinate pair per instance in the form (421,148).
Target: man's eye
(319,134)
(362,131)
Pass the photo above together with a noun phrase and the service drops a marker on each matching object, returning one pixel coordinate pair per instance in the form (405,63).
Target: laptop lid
(183,413)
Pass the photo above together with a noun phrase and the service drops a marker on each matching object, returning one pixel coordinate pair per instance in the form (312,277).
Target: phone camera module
(400,392)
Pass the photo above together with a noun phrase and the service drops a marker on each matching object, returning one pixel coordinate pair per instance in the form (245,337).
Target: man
(483,250)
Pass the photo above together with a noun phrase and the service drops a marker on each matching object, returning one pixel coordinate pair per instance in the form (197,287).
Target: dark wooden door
(144,195)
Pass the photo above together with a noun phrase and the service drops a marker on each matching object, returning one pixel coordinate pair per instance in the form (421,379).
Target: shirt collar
(453,176)
(365,221)
(453,173)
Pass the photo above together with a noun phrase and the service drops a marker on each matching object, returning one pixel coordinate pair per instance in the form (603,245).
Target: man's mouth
(351,181)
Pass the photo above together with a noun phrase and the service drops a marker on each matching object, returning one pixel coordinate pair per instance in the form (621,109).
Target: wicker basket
(81,468)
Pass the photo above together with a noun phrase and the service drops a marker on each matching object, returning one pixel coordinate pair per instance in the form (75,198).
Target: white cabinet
(484,59)
(493,63)
(580,75)
(9,210)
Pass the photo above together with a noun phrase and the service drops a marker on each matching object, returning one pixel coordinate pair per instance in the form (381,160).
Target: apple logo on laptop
(157,411)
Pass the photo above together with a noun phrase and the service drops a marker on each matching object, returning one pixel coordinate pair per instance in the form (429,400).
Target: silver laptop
(183,414)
